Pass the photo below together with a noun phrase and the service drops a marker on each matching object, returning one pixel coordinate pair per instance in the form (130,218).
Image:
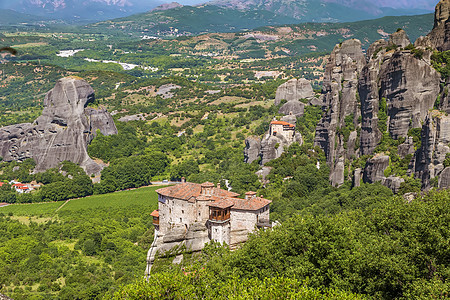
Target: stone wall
(173,212)
(220,232)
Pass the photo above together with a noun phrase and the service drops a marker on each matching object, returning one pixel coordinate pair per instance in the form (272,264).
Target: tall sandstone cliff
(340,103)
(387,94)
(62,132)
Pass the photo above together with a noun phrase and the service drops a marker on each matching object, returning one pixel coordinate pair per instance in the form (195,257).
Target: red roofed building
(192,214)
(226,218)
(285,129)
(21,188)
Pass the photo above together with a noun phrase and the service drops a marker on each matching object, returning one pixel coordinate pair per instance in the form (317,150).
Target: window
(199,214)
(181,220)
(182,211)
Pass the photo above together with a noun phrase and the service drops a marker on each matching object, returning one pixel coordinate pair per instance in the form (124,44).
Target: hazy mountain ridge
(188,20)
(11,17)
(302,10)
(92,10)
(323,11)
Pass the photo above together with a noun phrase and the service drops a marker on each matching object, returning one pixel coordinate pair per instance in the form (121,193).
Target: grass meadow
(145,196)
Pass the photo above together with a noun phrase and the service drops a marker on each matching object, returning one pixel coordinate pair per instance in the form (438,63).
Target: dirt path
(62,205)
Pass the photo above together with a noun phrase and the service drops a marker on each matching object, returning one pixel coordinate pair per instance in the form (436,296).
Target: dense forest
(373,245)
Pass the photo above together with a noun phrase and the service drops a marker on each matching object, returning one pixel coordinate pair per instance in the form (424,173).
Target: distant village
(22,187)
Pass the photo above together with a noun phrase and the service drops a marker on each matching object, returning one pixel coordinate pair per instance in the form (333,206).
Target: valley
(341,127)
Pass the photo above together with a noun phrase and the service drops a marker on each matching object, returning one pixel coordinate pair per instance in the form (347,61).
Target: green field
(145,196)
(83,248)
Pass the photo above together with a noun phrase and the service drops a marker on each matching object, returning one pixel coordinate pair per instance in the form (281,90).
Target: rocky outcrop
(179,237)
(252,149)
(337,176)
(407,148)
(435,145)
(99,120)
(397,87)
(62,132)
(393,182)
(444,104)
(294,89)
(281,134)
(406,85)
(444,179)
(340,103)
(410,86)
(273,146)
(274,143)
(293,107)
(399,38)
(374,170)
(292,119)
(368,88)
(439,37)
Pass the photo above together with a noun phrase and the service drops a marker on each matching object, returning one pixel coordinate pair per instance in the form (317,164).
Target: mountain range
(301,10)
(324,10)
(81,10)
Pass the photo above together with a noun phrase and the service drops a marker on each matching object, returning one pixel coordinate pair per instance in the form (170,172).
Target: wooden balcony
(155,215)
(219,215)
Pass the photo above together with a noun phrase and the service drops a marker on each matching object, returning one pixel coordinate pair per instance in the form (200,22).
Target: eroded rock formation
(387,96)
(435,145)
(252,149)
(439,37)
(294,90)
(340,102)
(62,132)
(375,167)
(293,107)
(281,134)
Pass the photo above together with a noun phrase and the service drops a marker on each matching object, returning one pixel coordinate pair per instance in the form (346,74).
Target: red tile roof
(254,203)
(223,203)
(155,213)
(282,123)
(187,190)
(221,198)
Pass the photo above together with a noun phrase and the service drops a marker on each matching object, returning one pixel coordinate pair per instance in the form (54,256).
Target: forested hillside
(378,246)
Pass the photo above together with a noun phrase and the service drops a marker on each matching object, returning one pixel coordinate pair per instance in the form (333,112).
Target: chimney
(218,185)
(183,180)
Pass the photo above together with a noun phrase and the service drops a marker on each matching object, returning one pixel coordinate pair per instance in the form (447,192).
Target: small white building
(281,128)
